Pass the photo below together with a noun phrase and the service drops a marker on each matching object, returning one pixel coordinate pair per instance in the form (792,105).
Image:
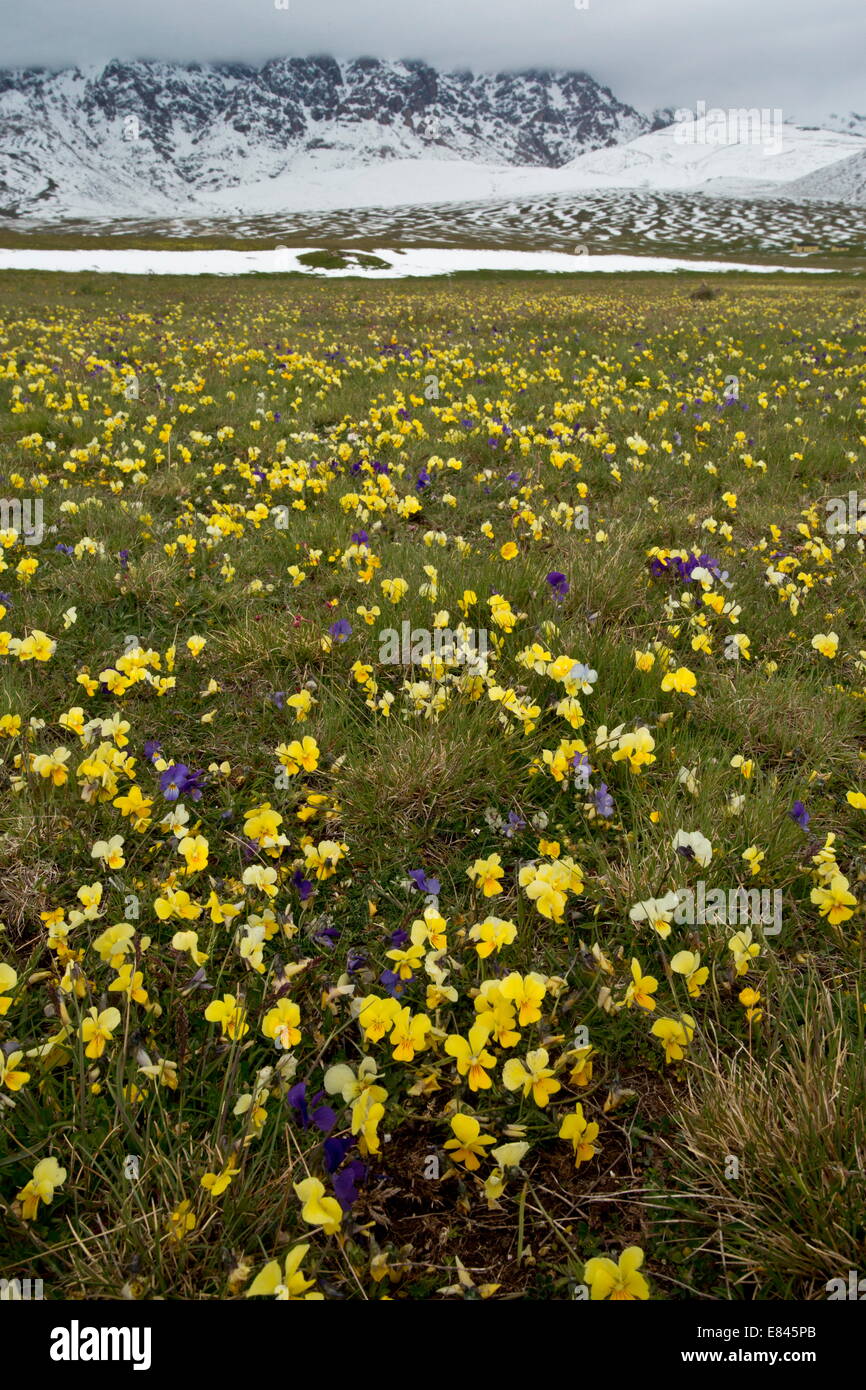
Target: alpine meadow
(343,967)
(432,677)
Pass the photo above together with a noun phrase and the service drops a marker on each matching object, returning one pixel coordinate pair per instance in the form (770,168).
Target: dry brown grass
(795,1120)
(24,879)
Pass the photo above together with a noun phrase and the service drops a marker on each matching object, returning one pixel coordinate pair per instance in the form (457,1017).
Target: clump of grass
(420,788)
(341,260)
(24,881)
(790,1213)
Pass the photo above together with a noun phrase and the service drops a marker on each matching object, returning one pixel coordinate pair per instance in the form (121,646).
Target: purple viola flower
(422,481)
(392,984)
(423,883)
(324,1118)
(123,557)
(398,938)
(303,885)
(355,960)
(64,549)
(279,699)
(172,781)
(559,585)
(341,630)
(344,1183)
(151,748)
(583,770)
(334,1151)
(6,600)
(513,824)
(360,537)
(177,781)
(603,801)
(327,936)
(799,814)
(683,569)
(194,783)
(297,1099)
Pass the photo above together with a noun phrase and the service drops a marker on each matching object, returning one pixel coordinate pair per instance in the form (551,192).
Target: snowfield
(410,263)
(327,181)
(664,159)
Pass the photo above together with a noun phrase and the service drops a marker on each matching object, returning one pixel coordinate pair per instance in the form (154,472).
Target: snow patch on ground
(417,261)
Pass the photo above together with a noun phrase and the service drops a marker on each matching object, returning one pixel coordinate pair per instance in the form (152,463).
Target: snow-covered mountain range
(141,135)
(162,140)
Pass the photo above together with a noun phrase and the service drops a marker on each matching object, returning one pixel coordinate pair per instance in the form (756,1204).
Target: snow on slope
(851,124)
(319,182)
(662,159)
(653,161)
(842,182)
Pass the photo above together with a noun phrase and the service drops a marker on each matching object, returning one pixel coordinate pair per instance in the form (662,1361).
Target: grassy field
(339,966)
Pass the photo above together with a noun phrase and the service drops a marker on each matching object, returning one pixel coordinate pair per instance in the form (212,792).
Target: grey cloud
(795,54)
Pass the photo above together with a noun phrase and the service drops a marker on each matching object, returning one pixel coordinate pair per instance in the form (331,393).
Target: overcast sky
(805,56)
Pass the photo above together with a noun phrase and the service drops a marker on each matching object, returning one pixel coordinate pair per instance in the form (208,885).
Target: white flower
(696,845)
(583,676)
(657,911)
